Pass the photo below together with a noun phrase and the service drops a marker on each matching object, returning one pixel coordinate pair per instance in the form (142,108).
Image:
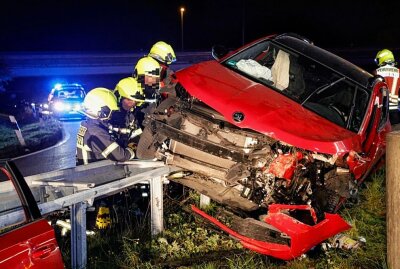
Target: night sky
(87,25)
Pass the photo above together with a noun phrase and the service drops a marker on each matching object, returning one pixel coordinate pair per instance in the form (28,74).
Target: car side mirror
(218,51)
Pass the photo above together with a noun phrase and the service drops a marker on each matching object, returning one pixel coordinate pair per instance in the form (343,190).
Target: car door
(26,238)
(375,128)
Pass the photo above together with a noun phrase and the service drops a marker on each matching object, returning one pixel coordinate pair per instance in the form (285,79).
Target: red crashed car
(26,238)
(280,131)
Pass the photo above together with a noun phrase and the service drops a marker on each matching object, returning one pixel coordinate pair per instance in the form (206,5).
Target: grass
(37,135)
(186,243)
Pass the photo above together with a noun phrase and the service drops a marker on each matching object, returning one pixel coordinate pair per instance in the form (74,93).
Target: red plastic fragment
(303,237)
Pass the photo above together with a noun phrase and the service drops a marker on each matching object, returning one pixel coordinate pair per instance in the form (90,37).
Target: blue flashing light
(57,86)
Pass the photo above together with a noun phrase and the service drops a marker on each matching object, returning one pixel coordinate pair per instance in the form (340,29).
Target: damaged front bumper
(302,236)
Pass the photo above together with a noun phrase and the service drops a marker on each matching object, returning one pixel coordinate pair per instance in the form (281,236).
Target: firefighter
(164,55)
(94,141)
(147,74)
(388,70)
(124,122)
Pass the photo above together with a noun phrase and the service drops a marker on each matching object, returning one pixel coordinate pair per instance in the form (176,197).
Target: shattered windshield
(304,80)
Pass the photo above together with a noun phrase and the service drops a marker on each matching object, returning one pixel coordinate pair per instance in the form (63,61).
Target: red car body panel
(303,237)
(373,140)
(265,110)
(31,246)
(32,243)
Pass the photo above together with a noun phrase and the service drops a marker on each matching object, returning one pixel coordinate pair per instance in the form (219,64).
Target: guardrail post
(156,205)
(78,236)
(393,198)
(204,200)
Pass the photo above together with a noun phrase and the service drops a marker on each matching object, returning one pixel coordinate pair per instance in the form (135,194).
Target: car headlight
(77,107)
(67,106)
(46,106)
(59,106)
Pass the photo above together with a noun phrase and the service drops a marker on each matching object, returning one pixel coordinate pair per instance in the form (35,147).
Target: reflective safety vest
(391,75)
(94,143)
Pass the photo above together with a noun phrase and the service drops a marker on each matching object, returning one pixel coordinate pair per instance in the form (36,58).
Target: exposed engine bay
(241,168)
(282,198)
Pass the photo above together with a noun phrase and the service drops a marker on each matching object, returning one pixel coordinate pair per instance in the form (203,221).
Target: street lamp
(182,9)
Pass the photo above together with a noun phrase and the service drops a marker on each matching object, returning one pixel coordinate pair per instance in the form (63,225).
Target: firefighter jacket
(95,143)
(126,122)
(391,75)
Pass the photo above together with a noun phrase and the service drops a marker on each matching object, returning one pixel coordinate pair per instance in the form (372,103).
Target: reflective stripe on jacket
(391,75)
(94,143)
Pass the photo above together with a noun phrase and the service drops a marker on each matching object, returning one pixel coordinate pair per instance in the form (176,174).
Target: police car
(65,101)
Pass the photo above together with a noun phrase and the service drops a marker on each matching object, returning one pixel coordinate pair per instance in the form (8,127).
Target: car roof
(330,60)
(68,86)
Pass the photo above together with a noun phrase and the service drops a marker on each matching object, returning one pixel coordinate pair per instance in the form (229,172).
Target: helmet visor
(169,58)
(105,113)
(137,97)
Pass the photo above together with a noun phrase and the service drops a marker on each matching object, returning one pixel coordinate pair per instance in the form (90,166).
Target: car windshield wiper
(323,88)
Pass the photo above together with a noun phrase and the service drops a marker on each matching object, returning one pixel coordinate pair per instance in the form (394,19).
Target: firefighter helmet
(99,103)
(162,52)
(129,88)
(147,66)
(103,219)
(384,56)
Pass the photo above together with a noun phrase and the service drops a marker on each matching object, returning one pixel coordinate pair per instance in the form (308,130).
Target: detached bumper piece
(301,237)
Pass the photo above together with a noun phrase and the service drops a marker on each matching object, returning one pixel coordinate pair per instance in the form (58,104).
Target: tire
(146,148)
(332,201)
(327,200)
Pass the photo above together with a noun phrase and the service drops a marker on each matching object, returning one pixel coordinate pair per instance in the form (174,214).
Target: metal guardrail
(89,182)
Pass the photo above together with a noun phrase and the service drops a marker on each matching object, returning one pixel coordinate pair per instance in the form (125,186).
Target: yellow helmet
(129,88)
(99,103)
(147,66)
(384,56)
(162,52)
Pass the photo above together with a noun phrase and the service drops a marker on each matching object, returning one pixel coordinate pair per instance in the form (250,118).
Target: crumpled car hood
(264,109)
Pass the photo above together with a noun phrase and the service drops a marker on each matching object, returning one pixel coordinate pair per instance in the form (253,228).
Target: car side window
(61,94)
(10,203)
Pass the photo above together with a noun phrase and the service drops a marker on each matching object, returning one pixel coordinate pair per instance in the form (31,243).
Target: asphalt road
(60,156)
